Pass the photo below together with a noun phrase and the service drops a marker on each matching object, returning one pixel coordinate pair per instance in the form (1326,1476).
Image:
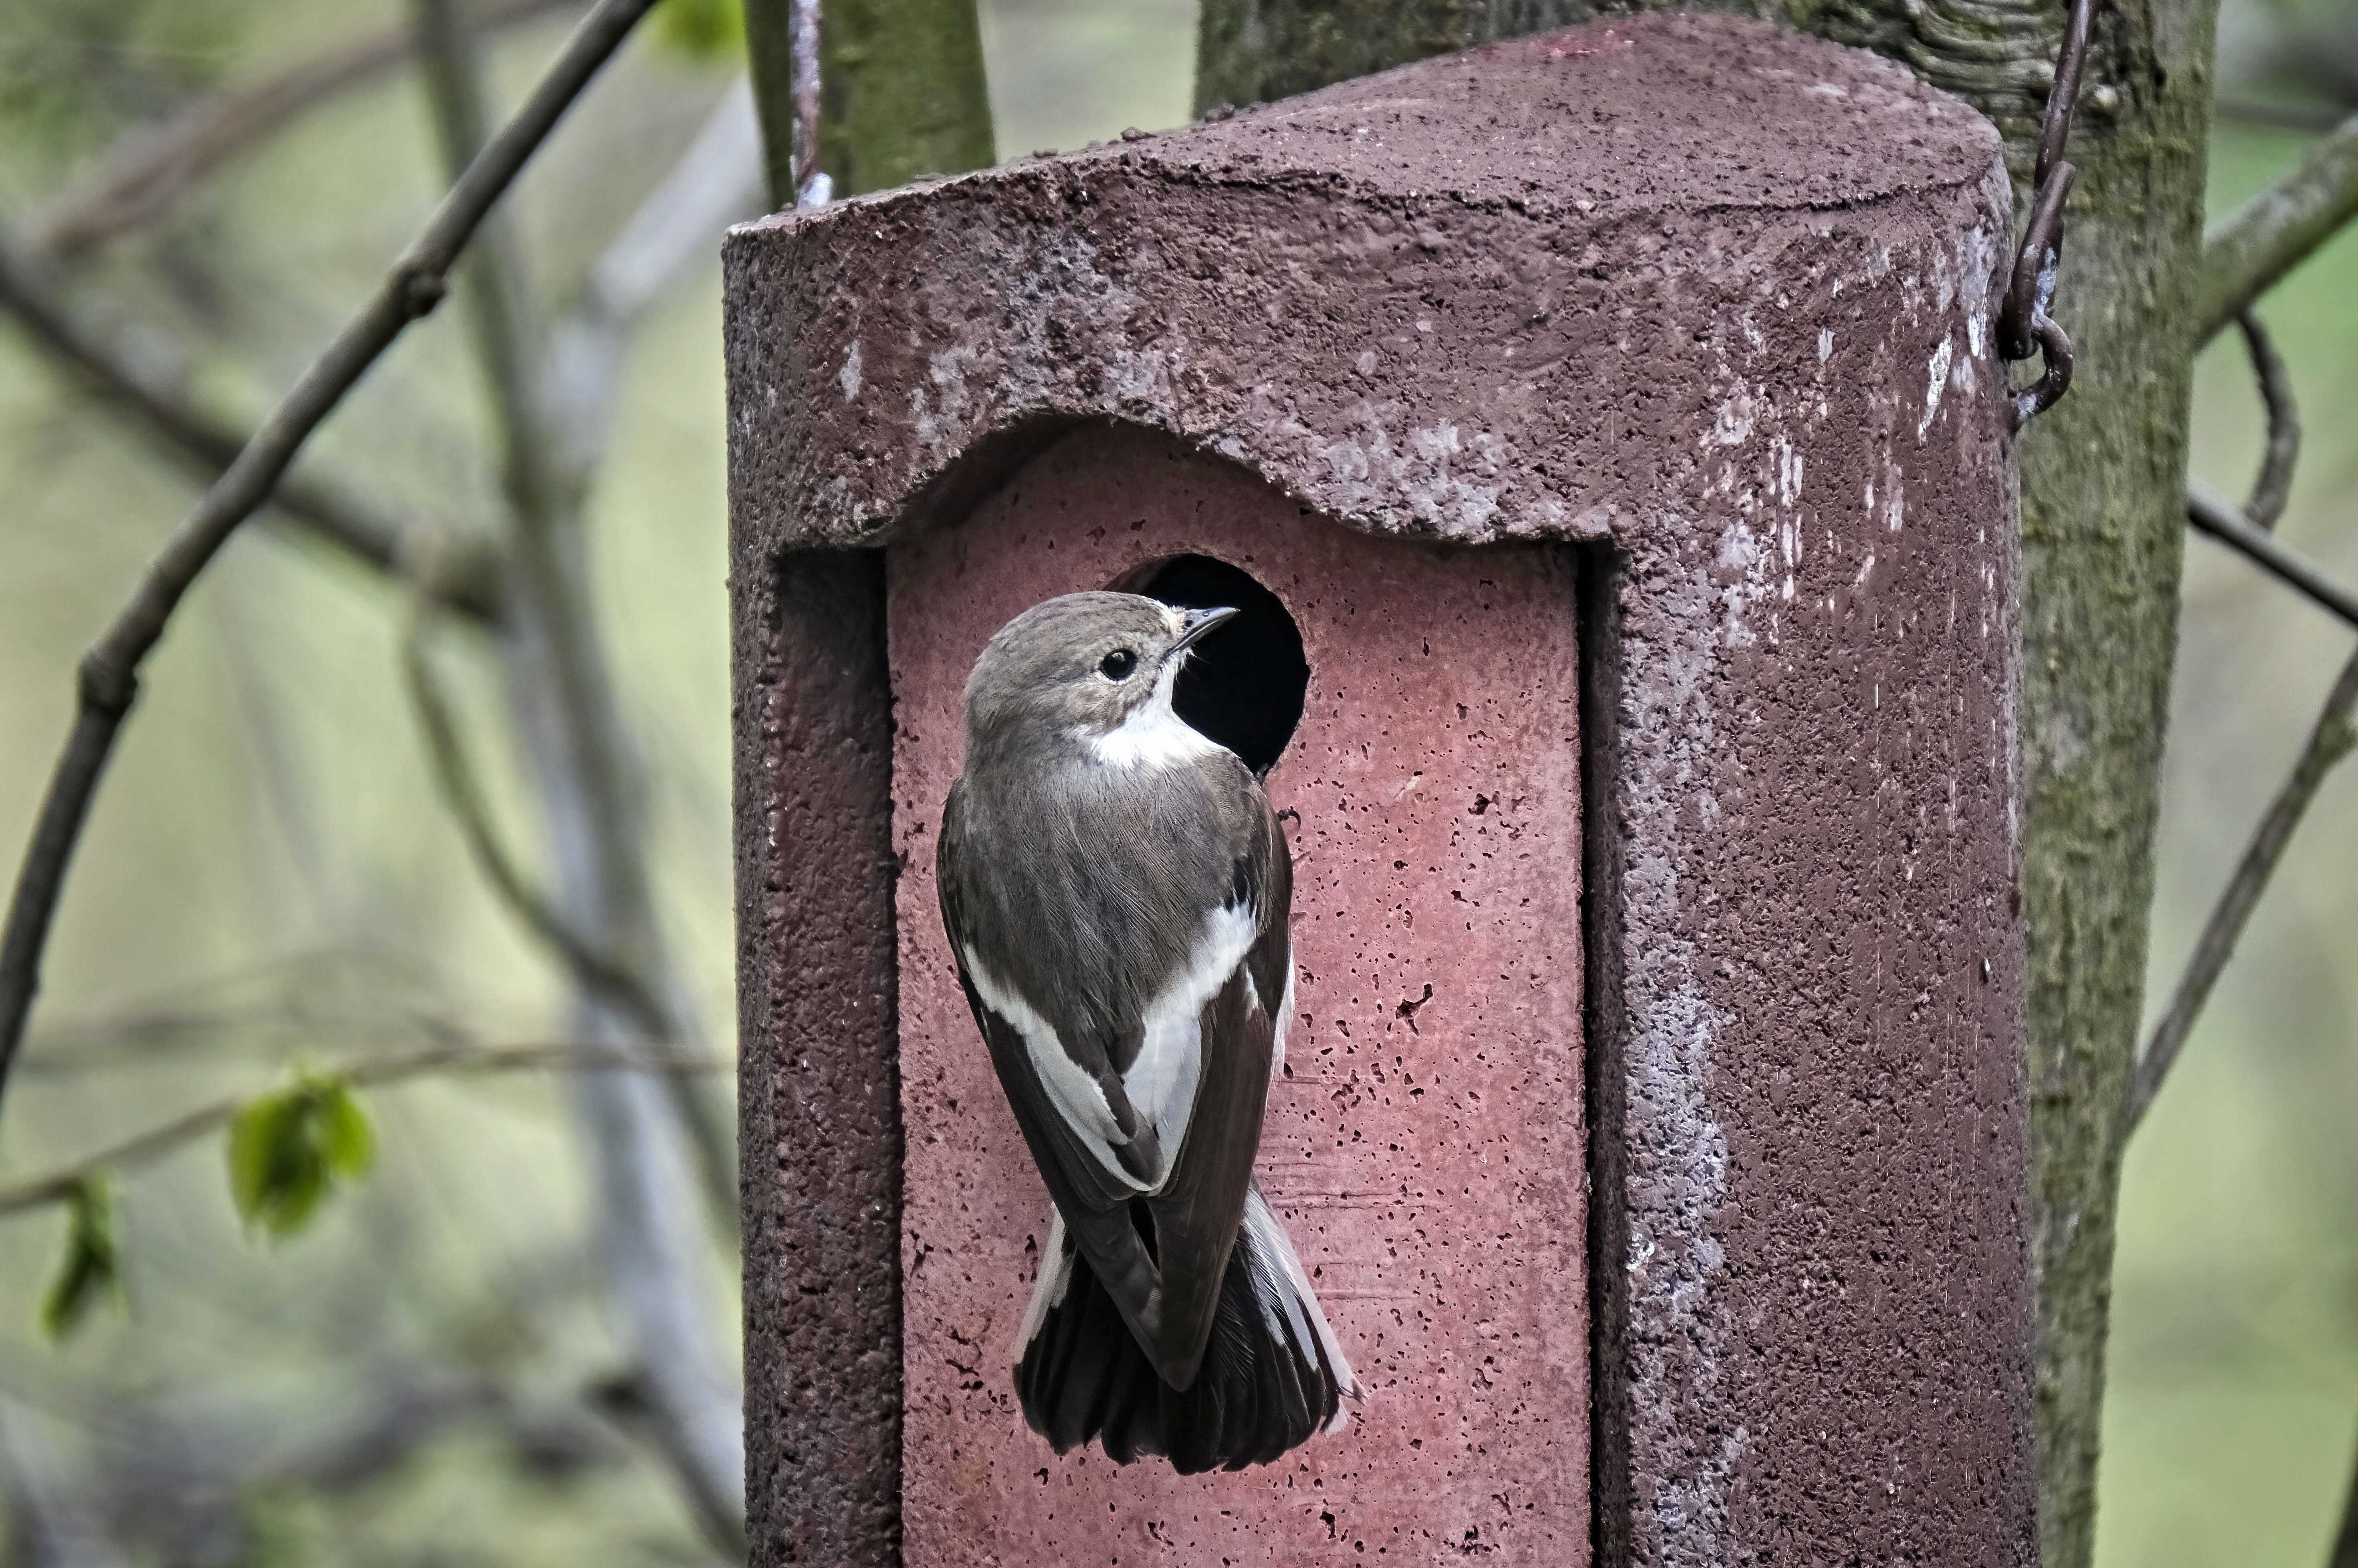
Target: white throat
(1153,736)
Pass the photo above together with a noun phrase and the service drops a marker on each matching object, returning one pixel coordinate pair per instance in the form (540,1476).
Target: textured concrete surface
(1425,1143)
(1715,300)
(819,1138)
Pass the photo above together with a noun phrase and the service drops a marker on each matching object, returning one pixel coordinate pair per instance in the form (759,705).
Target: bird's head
(1088,669)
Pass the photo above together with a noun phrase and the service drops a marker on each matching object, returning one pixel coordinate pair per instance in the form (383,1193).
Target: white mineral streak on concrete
(1067,318)
(1437,469)
(848,377)
(1681,1326)
(1788,472)
(1740,552)
(1936,382)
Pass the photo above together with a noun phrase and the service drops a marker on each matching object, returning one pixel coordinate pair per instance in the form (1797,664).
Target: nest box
(1603,436)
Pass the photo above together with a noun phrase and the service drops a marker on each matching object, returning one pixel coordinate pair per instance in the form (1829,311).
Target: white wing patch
(1278,1026)
(1078,1100)
(1153,736)
(1287,1306)
(1048,1292)
(1161,1081)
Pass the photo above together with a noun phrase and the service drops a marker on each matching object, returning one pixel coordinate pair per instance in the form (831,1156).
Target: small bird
(1116,891)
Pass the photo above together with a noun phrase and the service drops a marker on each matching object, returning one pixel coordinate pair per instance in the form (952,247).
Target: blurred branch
(2274,487)
(2245,254)
(2232,528)
(566,713)
(210,446)
(553,428)
(2330,741)
(39,1192)
(155,165)
(2345,1540)
(51,1525)
(2282,116)
(178,1477)
(109,672)
(811,183)
(716,182)
(461,793)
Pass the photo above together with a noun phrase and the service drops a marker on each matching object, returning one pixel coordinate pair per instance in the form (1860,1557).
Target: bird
(1116,891)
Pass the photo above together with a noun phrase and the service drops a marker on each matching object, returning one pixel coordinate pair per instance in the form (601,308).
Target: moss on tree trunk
(900,86)
(2103,480)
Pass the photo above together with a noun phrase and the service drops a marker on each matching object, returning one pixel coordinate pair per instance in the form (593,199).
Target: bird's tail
(1272,1373)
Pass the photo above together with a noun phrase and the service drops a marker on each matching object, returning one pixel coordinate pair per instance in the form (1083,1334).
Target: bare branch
(552,428)
(2345,1540)
(2247,252)
(2329,742)
(717,181)
(209,446)
(54,1526)
(2274,487)
(810,178)
(145,1147)
(2283,116)
(2232,528)
(565,711)
(109,674)
(455,779)
(153,166)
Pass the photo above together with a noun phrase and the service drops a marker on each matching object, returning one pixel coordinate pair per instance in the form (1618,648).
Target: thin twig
(451,1061)
(209,446)
(2345,1540)
(155,165)
(552,436)
(462,796)
(811,183)
(109,673)
(583,768)
(2245,254)
(2232,528)
(2317,118)
(2329,739)
(715,182)
(2274,487)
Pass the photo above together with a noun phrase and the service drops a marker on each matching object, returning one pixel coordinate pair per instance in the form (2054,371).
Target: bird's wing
(1237,1037)
(1071,1104)
(1150,1166)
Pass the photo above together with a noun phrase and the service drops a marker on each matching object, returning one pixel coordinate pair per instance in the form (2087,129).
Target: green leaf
(702,29)
(90,1271)
(346,1145)
(288,1149)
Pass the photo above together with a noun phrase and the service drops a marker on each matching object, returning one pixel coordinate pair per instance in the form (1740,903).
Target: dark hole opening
(1246,685)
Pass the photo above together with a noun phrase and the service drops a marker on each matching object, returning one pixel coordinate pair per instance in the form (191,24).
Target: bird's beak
(1197,624)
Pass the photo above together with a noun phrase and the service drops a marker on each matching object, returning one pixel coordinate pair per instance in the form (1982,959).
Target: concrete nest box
(1605,434)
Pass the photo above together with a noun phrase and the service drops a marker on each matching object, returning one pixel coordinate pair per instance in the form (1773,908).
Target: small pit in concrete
(1246,685)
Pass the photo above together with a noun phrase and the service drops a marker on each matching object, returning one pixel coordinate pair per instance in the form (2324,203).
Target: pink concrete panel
(1425,1144)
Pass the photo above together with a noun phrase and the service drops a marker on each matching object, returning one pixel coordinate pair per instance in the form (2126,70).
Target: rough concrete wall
(1717,299)
(1824,1328)
(1470,299)
(1424,1141)
(820,1145)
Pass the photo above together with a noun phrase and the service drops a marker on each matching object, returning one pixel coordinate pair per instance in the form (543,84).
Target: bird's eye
(1118,664)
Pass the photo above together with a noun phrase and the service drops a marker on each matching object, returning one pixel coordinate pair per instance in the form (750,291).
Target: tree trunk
(900,87)
(2104,477)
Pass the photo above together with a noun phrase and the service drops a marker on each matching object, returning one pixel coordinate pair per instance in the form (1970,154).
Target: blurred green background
(430,1373)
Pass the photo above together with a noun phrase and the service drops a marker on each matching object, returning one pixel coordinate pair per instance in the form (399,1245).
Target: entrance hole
(1246,685)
